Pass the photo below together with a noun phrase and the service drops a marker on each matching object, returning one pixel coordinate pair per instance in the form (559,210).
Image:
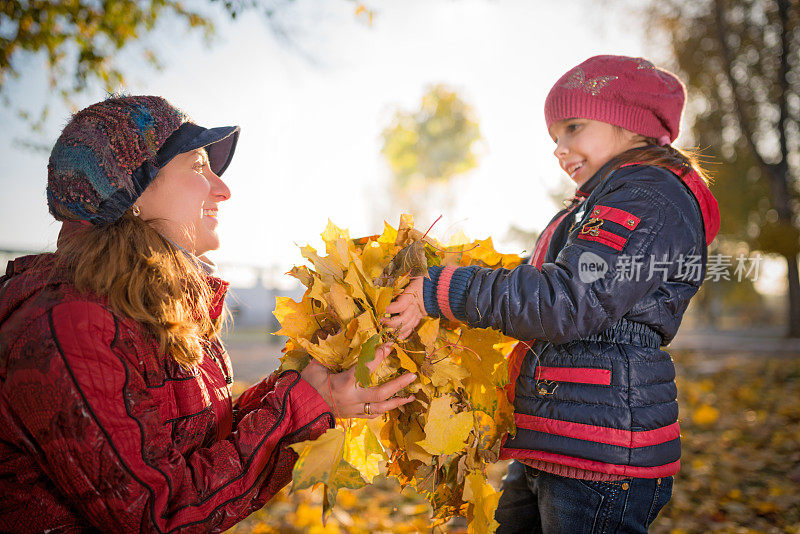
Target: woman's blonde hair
(146,278)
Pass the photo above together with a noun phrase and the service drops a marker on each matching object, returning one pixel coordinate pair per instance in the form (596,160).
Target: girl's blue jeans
(537,502)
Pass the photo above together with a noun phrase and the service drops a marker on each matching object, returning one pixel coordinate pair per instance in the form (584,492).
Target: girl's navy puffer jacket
(594,391)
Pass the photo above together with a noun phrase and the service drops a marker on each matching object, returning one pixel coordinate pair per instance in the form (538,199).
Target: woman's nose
(219,189)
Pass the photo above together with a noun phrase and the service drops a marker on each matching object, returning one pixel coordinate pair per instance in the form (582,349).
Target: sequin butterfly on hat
(578,81)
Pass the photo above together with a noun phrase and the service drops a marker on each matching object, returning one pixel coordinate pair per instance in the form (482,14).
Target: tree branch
(727,58)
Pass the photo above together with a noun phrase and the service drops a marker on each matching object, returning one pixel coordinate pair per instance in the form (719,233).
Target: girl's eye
(572,127)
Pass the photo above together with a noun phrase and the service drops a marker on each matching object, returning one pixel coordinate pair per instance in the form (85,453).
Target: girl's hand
(348,399)
(408,309)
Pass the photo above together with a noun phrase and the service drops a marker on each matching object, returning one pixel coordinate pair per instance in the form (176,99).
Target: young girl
(115,404)
(597,439)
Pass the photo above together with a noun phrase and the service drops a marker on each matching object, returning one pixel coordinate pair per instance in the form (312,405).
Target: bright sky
(310,143)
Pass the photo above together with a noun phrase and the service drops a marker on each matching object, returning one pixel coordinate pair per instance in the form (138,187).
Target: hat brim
(220,144)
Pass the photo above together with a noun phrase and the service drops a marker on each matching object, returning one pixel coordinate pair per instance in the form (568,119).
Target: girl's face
(183,200)
(585,145)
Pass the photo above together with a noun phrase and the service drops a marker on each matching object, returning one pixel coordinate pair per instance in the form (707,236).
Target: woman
(115,396)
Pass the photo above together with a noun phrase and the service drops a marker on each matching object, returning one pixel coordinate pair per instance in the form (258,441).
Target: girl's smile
(583,146)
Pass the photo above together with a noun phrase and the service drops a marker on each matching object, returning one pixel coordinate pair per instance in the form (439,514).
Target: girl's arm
(571,297)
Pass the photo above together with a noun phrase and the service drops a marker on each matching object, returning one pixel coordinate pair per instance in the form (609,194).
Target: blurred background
(358,111)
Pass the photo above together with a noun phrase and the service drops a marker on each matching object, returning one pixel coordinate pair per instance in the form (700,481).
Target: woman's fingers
(350,400)
(388,389)
(377,409)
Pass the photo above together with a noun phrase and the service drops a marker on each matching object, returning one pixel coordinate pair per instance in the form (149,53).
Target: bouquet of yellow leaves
(438,444)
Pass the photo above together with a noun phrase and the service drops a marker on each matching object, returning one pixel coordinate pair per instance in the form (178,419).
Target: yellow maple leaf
(303,274)
(324,266)
(322,461)
(355,282)
(413,437)
(361,329)
(444,372)
(318,459)
(459,239)
(406,362)
(331,234)
(484,499)
(445,430)
(338,245)
(318,291)
(332,351)
(389,235)
(485,252)
(364,451)
(428,332)
(295,318)
(343,303)
(373,259)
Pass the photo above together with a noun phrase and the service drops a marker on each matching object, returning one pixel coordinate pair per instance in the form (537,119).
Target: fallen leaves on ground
(740,427)
(740,471)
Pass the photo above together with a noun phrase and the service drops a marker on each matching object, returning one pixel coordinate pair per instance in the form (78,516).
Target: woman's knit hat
(625,91)
(110,151)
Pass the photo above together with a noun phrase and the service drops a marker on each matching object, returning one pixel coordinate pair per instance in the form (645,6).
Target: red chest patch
(594,229)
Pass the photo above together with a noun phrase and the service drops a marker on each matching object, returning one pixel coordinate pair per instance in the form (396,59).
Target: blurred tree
(433,143)
(80,38)
(426,148)
(740,60)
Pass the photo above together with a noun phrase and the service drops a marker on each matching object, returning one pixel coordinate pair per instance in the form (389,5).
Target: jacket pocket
(578,375)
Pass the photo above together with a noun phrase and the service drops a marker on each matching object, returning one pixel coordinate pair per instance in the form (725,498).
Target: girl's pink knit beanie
(625,91)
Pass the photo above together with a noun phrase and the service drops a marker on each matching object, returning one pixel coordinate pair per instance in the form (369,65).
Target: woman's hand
(408,309)
(347,398)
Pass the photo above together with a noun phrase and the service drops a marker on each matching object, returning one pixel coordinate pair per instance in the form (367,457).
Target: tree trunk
(794,297)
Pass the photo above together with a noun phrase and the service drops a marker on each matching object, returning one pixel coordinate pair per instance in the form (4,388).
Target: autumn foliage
(740,465)
(440,444)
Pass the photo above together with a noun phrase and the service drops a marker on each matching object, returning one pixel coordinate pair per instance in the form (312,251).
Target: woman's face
(182,202)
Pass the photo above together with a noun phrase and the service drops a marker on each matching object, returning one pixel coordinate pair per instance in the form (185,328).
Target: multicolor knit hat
(625,91)
(110,151)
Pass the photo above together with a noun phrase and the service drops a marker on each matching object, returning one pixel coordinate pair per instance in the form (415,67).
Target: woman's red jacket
(99,431)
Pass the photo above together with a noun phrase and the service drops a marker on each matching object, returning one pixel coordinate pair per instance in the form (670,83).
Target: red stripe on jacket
(605,237)
(628,220)
(598,434)
(665,470)
(579,375)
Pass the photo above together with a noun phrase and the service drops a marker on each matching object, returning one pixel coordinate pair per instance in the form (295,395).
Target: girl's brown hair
(146,278)
(667,156)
